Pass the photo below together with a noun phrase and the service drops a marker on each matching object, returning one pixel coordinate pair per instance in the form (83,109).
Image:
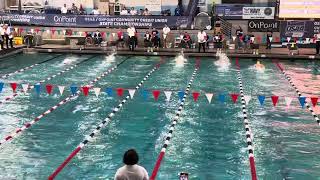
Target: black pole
(19,7)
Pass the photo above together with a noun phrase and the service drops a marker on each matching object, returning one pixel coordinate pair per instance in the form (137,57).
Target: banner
(258,12)
(298,29)
(95,20)
(153,5)
(263,25)
(299,9)
(229,11)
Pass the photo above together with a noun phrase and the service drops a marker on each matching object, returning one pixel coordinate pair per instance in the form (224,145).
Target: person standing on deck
(202,38)
(131,33)
(269,39)
(2,32)
(317,36)
(166,30)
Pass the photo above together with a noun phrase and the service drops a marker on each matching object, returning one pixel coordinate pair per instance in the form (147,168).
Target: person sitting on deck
(131,171)
(186,40)
(97,37)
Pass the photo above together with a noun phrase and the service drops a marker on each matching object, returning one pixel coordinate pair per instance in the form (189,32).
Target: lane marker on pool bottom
(100,126)
(315,116)
(174,122)
(246,125)
(8,98)
(66,100)
(28,67)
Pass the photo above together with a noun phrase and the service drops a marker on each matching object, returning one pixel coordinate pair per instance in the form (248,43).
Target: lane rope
(246,125)
(315,116)
(8,98)
(64,101)
(99,127)
(5,76)
(172,126)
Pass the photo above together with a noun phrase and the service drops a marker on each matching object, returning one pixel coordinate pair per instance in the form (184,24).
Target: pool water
(209,139)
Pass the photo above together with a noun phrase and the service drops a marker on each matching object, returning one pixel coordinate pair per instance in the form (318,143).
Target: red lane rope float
(174,122)
(66,100)
(246,125)
(43,81)
(99,127)
(315,116)
(26,68)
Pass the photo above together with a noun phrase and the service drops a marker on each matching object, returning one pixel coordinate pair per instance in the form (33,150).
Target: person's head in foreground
(131,171)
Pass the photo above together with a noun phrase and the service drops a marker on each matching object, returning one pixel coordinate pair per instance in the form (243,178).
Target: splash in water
(260,68)
(68,61)
(180,60)
(223,62)
(111,58)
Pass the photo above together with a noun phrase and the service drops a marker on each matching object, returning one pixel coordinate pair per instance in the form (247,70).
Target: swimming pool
(208,141)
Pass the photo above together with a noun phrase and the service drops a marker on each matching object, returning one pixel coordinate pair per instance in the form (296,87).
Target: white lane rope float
(246,125)
(64,101)
(5,76)
(6,99)
(315,116)
(99,127)
(172,126)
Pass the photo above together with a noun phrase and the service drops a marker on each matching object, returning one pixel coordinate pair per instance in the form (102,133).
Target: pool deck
(275,53)
(8,52)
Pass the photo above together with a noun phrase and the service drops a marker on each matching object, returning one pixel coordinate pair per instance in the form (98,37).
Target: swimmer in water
(259,66)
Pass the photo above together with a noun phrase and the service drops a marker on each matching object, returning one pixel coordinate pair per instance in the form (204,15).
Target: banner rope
(315,116)
(99,127)
(64,101)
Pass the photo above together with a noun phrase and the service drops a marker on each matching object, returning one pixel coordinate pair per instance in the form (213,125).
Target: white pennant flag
(48,31)
(97,91)
(80,33)
(252,39)
(234,38)
(308,40)
(131,92)
(288,101)
(288,39)
(270,39)
(64,32)
(113,34)
(209,96)
(168,95)
(32,31)
(61,89)
(247,98)
(25,87)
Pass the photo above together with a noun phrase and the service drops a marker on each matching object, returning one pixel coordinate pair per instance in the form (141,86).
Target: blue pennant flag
(283,39)
(300,39)
(109,91)
(180,94)
(302,101)
(1,86)
(264,39)
(145,94)
(37,87)
(73,89)
(222,98)
(261,99)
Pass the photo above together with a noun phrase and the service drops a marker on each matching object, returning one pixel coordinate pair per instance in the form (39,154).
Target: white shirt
(1,31)
(64,10)
(9,32)
(166,30)
(202,37)
(133,12)
(95,11)
(131,31)
(134,172)
(124,12)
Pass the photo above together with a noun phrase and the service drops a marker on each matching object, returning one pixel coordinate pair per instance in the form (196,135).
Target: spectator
(177,11)
(124,11)
(96,11)
(97,37)
(186,40)
(141,12)
(120,37)
(146,12)
(239,34)
(1,42)
(81,10)
(2,35)
(133,12)
(64,9)
(155,38)
(131,33)
(74,9)
(202,40)
(317,37)
(9,36)
(131,171)
(165,31)
(269,36)
(147,41)
(6,35)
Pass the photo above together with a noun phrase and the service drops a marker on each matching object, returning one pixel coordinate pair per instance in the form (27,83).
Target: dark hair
(130,157)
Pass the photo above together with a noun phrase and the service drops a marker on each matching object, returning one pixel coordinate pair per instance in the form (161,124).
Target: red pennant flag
(314,101)
(53,31)
(14,86)
(277,39)
(195,96)
(295,39)
(274,100)
(85,90)
(156,94)
(21,30)
(103,34)
(234,97)
(120,91)
(37,30)
(258,38)
(49,88)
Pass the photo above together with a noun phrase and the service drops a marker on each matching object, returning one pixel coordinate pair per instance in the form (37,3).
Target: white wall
(60,3)
(2,3)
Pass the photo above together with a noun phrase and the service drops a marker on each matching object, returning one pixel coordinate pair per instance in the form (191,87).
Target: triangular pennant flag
(307,40)
(109,91)
(59,31)
(61,89)
(97,91)
(85,90)
(64,32)
(145,94)
(119,91)
(283,39)
(32,31)
(37,30)
(131,92)
(49,88)
(277,39)
(209,97)
(288,101)
(43,30)
(274,100)
(48,31)
(156,94)
(247,98)
(73,89)
(222,98)
(252,39)
(25,87)
(302,101)
(270,39)
(234,38)
(80,33)
(37,87)
(180,94)
(195,96)
(1,86)
(168,95)
(314,101)
(14,86)
(234,97)
(53,31)
(288,39)
(261,99)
